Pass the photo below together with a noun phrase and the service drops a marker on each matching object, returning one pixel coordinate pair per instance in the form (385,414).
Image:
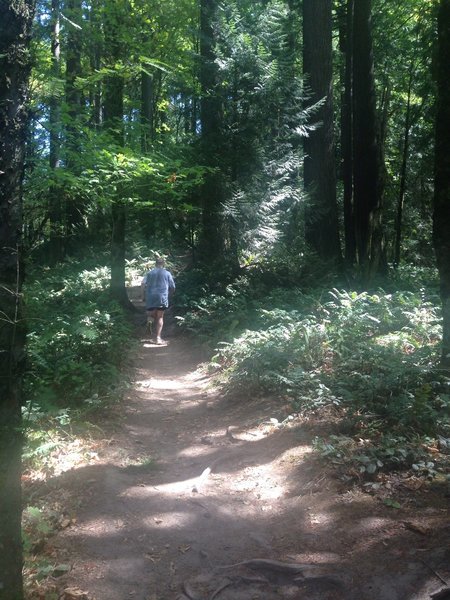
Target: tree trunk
(146,111)
(401,195)
(367,174)
(15,28)
(194,115)
(321,218)
(117,285)
(113,122)
(210,118)
(95,95)
(346,46)
(74,205)
(73,57)
(441,216)
(55,204)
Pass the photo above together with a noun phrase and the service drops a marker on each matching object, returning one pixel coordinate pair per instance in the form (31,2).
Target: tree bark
(73,57)
(15,28)
(147,97)
(74,206)
(55,204)
(113,122)
(95,95)
(321,217)
(210,118)
(441,216)
(346,46)
(367,174)
(403,173)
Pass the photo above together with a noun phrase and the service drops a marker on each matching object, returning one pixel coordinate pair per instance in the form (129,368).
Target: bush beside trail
(370,357)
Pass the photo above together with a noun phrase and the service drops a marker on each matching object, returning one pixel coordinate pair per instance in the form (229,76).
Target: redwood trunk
(367,171)
(346,44)
(210,118)
(321,225)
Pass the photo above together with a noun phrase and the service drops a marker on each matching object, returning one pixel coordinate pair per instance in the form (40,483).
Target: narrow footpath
(200,497)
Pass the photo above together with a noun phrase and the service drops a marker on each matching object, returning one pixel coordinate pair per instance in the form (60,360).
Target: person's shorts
(157,308)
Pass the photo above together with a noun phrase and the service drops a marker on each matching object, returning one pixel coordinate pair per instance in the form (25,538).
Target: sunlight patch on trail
(175,488)
(320,518)
(160,384)
(373,524)
(194,451)
(104,525)
(169,520)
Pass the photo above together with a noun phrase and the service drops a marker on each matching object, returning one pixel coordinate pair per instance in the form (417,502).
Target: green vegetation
(79,341)
(295,154)
(76,337)
(76,361)
(368,357)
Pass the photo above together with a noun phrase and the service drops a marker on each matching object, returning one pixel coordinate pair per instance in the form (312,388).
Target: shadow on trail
(145,539)
(191,490)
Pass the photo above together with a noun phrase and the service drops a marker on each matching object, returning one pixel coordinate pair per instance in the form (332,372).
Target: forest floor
(191,495)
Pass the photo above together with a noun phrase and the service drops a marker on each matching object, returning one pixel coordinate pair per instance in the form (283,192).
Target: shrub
(372,354)
(76,336)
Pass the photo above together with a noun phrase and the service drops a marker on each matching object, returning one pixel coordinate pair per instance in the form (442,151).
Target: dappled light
(197,475)
(161,384)
(195,482)
(224,300)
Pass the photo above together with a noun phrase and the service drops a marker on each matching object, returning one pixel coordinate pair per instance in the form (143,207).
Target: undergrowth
(76,336)
(370,356)
(77,345)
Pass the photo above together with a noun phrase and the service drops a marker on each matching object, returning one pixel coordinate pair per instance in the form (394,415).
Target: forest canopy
(283,137)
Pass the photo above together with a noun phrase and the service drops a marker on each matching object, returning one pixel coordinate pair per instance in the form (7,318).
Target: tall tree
(441,221)
(403,170)
(95,51)
(147,100)
(15,27)
(210,118)
(113,122)
(73,203)
(346,47)
(55,207)
(321,226)
(367,173)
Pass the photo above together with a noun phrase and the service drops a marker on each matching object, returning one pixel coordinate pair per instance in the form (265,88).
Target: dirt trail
(192,482)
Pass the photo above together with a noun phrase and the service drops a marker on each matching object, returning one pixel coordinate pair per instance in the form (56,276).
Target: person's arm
(143,284)
(171,285)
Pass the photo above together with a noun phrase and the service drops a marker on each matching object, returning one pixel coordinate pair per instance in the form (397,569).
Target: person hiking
(157,286)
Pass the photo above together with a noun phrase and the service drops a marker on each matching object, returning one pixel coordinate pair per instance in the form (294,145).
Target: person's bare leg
(150,321)
(159,322)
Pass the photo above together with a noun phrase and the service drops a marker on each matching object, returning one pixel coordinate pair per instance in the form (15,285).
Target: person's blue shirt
(157,284)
